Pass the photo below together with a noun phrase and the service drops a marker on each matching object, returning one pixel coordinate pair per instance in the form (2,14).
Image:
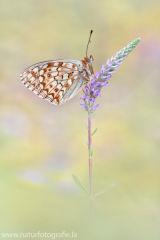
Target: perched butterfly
(58,80)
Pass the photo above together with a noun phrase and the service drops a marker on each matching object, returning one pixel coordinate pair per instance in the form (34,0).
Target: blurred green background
(41,145)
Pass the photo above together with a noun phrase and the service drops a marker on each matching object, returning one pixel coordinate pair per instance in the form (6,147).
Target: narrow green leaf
(104,190)
(91,151)
(94,131)
(86,125)
(80,184)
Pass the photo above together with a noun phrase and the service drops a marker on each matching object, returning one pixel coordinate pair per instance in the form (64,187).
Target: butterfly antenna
(89,41)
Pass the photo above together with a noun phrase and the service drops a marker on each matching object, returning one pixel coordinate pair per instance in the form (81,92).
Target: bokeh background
(41,145)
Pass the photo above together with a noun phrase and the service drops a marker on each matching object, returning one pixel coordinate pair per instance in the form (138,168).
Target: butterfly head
(89,59)
(88,64)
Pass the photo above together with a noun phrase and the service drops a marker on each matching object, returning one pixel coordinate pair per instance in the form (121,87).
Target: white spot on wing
(54,69)
(29,75)
(65,76)
(59,86)
(40,79)
(69,65)
(50,96)
(69,81)
(54,74)
(35,69)
(46,65)
(54,83)
(41,72)
(61,94)
(63,82)
(32,79)
(45,92)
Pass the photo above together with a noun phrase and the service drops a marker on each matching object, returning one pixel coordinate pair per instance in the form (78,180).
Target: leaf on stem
(104,190)
(86,125)
(80,184)
(94,131)
(91,151)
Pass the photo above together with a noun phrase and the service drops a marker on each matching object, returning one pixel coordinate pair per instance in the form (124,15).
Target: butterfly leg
(97,79)
(95,76)
(86,80)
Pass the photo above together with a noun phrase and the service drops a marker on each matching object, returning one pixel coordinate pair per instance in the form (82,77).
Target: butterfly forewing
(56,81)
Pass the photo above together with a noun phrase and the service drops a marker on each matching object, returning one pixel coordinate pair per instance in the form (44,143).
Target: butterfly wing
(56,81)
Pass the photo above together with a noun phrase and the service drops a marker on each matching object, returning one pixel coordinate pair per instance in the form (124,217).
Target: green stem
(90,158)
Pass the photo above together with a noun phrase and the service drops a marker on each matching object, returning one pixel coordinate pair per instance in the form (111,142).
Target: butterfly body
(58,80)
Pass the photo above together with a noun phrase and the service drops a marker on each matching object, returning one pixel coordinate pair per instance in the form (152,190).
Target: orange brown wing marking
(74,66)
(70,65)
(73,79)
(53,95)
(66,85)
(50,64)
(70,75)
(60,64)
(58,98)
(48,75)
(44,84)
(64,64)
(56,89)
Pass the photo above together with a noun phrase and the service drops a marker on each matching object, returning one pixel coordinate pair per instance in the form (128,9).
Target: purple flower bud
(95,107)
(97,92)
(107,61)
(107,77)
(84,97)
(92,100)
(92,91)
(96,74)
(104,84)
(102,70)
(93,83)
(99,84)
(83,105)
(112,72)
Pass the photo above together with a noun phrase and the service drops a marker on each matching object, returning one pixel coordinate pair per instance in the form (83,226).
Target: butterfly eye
(88,60)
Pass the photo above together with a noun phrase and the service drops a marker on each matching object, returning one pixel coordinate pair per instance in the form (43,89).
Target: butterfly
(58,80)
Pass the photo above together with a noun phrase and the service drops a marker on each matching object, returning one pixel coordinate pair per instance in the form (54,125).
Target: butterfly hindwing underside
(59,80)
(56,81)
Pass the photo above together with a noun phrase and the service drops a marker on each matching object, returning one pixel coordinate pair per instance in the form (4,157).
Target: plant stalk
(90,158)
